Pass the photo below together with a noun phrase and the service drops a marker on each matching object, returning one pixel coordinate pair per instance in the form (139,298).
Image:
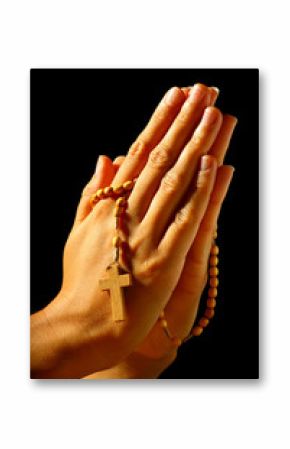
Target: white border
(167,414)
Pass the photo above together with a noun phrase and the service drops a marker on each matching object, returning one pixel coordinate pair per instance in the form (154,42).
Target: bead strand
(209,312)
(120,194)
(163,322)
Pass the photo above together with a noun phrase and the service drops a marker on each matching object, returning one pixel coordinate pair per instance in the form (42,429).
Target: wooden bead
(212,292)
(100,193)
(213,271)
(214,250)
(209,313)
(164,323)
(108,191)
(128,185)
(213,282)
(121,202)
(117,241)
(118,190)
(162,314)
(213,261)
(215,235)
(196,331)
(211,303)
(93,200)
(176,341)
(203,322)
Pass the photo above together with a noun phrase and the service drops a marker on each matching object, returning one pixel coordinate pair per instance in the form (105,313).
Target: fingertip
(102,162)
(208,162)
(119,160)
(214,93)
(227,169)
(212,116)
(174,96)
(230,120)
(225,175)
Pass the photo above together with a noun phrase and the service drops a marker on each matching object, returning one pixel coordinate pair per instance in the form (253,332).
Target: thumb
(102,177)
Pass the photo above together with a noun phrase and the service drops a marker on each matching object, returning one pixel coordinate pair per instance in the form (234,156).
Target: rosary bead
(212,292)
(214,250)
(196,331)
(93,199)
(108,191)
(162,314)
(213,271)
(121,202)
(164,323)
(128,185)
(209,313)
(100,194)
(211,303)
(203,322)
(117,241)
(118,190)
(176,341)
(215,235)
(213,261)
(213,282)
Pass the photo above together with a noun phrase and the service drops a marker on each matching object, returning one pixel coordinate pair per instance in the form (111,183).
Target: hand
(85,337)
(155,352)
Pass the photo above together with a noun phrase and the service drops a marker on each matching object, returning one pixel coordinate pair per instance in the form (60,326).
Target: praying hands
(171,216)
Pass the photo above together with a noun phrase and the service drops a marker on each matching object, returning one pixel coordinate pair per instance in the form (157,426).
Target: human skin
(155,354)
(74,335)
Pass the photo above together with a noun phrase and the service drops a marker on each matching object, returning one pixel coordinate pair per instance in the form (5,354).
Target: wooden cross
(114,283)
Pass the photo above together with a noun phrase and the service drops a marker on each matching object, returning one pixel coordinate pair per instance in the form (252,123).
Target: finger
(117,162)
(196,262)
(177,180)
(197,256)
(157,126)
(168,150)
(102,177)
(182,231)
(223,139)
(214,92)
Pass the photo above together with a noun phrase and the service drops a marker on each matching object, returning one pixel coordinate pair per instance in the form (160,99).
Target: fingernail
(210,116)
(99,164)
(207,162)
(197,93)
(173,96)
(216,89)
(213,94)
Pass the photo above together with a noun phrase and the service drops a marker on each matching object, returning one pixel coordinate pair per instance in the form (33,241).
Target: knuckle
(171,181)
(139,148)
(203,179)
(182,218)
(183,119)
(198,140)
(148,271)
(159,158)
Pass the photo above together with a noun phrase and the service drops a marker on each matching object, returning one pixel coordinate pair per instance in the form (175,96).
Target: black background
(77,115)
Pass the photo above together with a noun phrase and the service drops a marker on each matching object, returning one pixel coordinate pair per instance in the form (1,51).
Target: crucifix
(114,284)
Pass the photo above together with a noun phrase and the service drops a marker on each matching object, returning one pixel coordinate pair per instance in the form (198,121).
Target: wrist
(47,345)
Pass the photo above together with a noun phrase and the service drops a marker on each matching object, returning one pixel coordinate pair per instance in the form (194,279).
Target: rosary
(117,279)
